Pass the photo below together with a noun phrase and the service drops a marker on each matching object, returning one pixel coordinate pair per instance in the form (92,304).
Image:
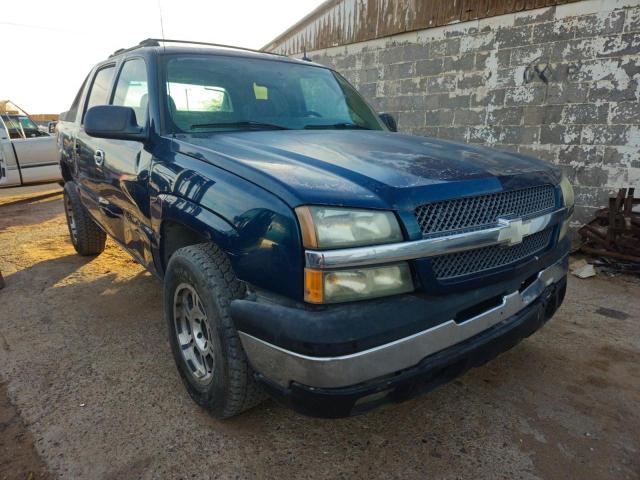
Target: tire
(199,286)
(86,236)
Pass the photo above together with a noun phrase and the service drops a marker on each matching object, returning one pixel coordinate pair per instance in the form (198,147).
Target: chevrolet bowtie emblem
(512,230)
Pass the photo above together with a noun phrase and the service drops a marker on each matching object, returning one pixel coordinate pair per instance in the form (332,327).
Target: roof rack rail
(155,42)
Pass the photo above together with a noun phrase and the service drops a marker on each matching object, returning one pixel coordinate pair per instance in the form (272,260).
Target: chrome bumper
(283,366)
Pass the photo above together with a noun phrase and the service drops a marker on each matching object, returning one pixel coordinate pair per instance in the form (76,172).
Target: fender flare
(168,207)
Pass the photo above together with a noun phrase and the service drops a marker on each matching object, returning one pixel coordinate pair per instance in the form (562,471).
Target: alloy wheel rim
(193,333)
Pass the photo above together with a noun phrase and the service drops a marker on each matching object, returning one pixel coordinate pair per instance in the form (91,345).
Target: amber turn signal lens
(313,286)
(309,239)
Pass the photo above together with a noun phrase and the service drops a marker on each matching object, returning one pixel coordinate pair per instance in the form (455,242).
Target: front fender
(259,244)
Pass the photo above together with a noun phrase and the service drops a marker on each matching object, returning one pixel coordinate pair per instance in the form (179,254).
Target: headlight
(568,200)
(333,227)
(356,284)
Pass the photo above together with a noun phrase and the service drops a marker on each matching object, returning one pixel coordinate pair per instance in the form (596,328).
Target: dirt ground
(89,389)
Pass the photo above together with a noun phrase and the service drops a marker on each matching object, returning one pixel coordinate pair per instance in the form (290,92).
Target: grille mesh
(473,213)
(473,261)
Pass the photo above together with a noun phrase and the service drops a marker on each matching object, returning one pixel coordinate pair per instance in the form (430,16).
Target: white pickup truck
(27,154)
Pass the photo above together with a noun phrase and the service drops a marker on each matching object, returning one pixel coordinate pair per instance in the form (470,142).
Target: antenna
(161,22)
(304,54)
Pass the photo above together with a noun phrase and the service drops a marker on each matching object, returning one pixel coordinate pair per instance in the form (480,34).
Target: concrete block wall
(559,83)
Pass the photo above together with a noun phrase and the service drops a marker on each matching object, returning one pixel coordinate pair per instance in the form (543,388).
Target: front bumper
(341,385)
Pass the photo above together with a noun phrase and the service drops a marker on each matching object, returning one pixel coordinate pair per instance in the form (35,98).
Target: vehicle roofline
(146,47)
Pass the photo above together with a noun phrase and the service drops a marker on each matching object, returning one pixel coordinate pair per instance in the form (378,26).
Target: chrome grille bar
(505,232)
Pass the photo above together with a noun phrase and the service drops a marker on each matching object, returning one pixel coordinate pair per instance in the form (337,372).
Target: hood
(375,169)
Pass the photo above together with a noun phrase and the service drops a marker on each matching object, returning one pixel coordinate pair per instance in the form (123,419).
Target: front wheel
(199,286)
(86,236)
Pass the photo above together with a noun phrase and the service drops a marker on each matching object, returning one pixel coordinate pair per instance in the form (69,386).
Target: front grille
(474,261)
(474,213)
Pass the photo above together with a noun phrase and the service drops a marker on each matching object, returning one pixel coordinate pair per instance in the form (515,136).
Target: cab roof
(163,46)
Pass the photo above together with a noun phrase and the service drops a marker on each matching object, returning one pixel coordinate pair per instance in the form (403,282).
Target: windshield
(21,126)
(207,93)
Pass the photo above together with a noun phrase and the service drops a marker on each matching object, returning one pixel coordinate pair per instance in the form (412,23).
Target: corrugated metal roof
(341,22)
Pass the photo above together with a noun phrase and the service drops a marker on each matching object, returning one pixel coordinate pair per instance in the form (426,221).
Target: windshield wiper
(337,126)
(245,123)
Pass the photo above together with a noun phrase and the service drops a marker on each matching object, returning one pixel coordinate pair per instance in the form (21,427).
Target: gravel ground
(90,390)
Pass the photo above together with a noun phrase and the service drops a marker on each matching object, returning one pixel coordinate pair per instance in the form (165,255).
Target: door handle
(98,157)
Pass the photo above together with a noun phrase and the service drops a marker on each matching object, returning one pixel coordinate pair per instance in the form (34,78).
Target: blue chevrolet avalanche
(307,251)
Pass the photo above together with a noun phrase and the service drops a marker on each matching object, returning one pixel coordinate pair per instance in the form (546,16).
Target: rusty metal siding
(341,22)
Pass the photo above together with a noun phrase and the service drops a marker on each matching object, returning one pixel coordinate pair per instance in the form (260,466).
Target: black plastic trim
(429,374)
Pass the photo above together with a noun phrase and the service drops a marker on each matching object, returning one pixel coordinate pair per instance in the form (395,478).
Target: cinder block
(575,50)
(567,93)
(453,100)
(459,63)
(618,45)
(479,42)
(632,20)
(541,152)
(513,36)
(597,24)
(622,155)
(579,154)
(553,32)
(585,113)
(529,53)
(440,84)
(520,135)
(426,68)
(485,97)
(469,117)
(614,91)
(542,114)
(458,134)
(525,95)
(410,86)
(411,119)
(440,117)
(592,175)
(604,135)
(472,80)
(560,134)
(443,48)
(398,70)
(506,116)
(486,134)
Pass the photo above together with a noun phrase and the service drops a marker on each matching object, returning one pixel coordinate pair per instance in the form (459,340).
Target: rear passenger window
(132,90)
(99,94)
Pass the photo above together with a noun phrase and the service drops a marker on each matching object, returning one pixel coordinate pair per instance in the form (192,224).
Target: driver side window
(132,89)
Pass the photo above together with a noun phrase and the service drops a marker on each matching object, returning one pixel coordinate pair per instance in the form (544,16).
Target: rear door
(126,165)
(89,151)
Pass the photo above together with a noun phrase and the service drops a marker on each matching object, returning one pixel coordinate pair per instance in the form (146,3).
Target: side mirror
(51,127)
(111,121)
(389,121)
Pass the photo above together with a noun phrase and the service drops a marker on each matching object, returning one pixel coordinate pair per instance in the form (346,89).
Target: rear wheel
(199,286)
(86,236)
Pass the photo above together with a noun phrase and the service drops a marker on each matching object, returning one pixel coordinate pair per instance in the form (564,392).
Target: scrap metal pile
(614,233)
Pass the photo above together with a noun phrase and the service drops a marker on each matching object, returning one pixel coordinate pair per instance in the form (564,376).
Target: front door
(90,152)
(126,166)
